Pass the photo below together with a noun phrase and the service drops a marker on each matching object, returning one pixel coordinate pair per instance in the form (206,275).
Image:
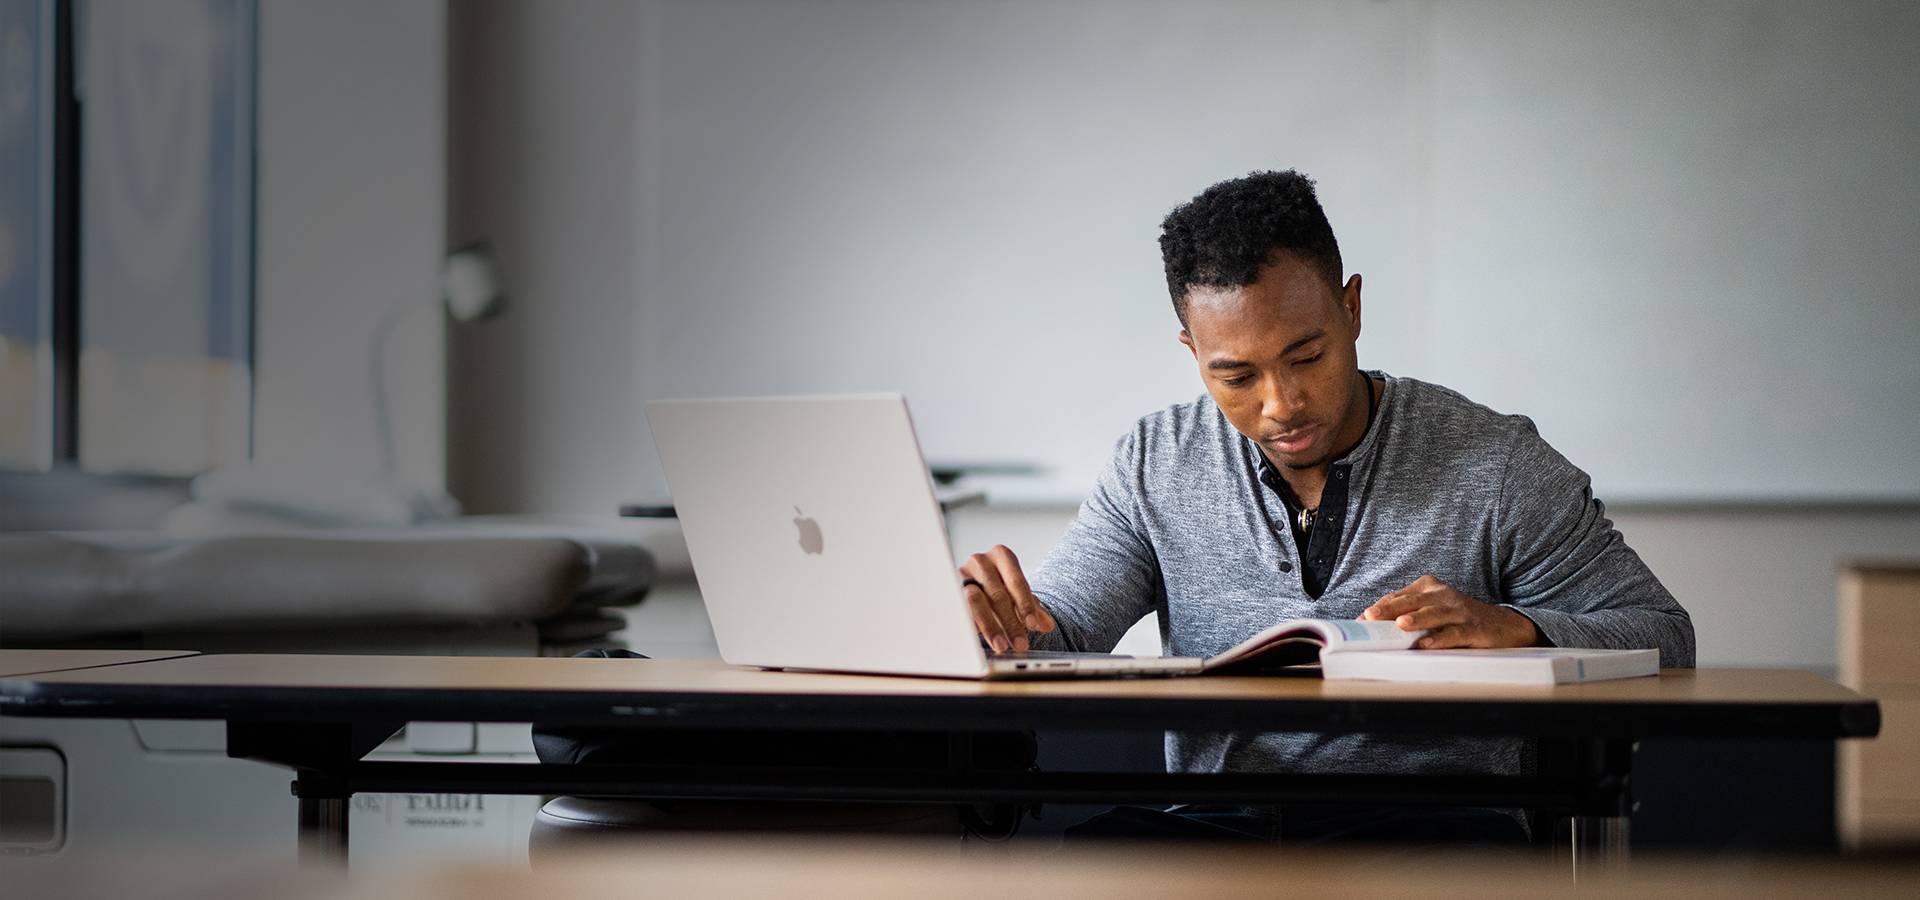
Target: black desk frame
(1591,785)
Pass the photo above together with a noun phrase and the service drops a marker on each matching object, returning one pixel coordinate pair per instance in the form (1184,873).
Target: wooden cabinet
(1879,780)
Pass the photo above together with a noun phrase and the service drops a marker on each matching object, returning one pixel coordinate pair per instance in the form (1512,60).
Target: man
(1302,485)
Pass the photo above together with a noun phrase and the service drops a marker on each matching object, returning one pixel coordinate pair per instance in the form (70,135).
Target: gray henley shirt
(1181,526)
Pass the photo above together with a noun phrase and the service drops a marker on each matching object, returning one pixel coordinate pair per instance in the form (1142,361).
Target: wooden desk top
(645,676)
(31,662)
(1696,702)
(849,867)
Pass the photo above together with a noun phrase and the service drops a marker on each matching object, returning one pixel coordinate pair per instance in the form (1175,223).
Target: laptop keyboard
(1056,654)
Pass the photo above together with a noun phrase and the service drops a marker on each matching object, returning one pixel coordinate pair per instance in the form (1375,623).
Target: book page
(1301,641)
(1356,635)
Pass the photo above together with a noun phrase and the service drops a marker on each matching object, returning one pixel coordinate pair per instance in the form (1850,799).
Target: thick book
(1515,665)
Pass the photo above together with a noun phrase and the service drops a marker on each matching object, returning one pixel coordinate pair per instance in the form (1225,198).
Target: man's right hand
(1004,609)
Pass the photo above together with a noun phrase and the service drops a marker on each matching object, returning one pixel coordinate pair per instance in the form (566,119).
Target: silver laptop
(818,543)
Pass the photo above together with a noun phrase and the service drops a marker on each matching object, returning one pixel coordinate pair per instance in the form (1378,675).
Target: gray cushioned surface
(56,586)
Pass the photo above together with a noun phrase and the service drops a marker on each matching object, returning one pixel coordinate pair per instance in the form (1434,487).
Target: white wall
(544,411)
(352,199)
(1679,235)
(1761,583)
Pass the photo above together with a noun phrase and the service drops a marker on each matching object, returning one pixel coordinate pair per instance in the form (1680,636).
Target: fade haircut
(1225,236)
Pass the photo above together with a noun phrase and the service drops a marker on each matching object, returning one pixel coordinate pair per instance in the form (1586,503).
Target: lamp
(249,496)
(470,291)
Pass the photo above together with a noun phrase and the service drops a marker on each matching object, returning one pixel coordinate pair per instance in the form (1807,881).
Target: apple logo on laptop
(810,538)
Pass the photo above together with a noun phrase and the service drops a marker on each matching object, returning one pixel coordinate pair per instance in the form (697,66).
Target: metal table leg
(1599,843)
(1600,828)
(323,831)
(317,752)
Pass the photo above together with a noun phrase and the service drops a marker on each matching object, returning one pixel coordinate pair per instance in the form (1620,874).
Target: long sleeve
(1563,564)
(1102,576)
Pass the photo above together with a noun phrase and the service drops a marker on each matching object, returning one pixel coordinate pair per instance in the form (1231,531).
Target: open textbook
(1297,642)
(1379,650)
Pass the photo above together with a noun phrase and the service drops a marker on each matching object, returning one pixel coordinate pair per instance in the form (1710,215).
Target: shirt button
(1339,474)
(1286,567)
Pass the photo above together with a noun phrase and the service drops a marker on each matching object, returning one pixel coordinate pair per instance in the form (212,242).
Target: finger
(1025,603)
(1396,604)
(1375,611)
(999,598)
(1419,592)
(1431,617)
(1444,638)
(984,621)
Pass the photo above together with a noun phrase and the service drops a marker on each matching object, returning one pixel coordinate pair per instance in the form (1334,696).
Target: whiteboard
(1681,239)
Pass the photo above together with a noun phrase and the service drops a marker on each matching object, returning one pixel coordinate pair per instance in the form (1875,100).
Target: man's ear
(1187,339)
(1350,299)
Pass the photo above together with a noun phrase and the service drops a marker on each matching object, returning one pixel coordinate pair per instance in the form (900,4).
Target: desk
(34,809)
(33,662)
(318,715)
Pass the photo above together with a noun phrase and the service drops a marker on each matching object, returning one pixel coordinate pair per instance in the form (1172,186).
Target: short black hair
(1225,236)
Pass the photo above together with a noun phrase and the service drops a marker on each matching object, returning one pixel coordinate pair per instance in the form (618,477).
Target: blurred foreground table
(851,868)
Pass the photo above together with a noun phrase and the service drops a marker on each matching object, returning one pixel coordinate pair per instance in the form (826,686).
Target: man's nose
(1282,401)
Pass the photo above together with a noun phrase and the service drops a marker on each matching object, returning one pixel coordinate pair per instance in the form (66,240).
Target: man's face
(1278,357)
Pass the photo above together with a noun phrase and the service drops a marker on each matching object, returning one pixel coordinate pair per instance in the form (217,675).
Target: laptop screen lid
(815,535)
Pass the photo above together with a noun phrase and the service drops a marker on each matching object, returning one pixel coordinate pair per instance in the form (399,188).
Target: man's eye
(1236,380)
(1309,360)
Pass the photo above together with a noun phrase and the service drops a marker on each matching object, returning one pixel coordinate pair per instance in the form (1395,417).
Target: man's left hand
(1453,619)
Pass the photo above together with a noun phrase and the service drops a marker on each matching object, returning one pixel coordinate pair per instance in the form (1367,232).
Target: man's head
(1225,236)
(1255,275)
